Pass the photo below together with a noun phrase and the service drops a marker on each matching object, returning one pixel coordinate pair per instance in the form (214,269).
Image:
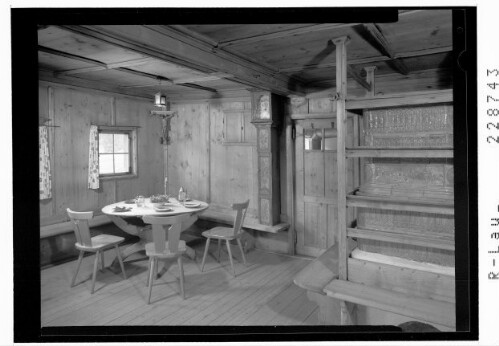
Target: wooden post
(290,198)
(341,90)
(370,79)
(341,120)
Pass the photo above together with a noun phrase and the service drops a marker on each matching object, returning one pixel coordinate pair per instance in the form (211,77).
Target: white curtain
(93,158)
(45,176)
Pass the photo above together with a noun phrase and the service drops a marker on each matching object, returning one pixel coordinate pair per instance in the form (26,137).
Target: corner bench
(249,222)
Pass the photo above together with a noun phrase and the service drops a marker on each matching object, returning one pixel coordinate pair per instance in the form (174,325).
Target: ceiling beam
(375,33)
(48,76)
(175,47)
(283,33)
(114,65)
(184,81)
(197,79)
(71,56)
(371,60)
(160,80)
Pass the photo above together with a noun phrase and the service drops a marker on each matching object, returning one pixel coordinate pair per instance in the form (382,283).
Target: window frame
(132,151)
(322,130)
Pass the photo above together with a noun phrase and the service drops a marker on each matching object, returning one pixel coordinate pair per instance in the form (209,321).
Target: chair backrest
(159,231)
(241,209)
(80,225)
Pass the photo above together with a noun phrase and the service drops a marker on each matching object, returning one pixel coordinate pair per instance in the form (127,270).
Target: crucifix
(165,115)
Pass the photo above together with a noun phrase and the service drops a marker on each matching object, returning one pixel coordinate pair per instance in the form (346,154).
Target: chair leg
(242,250)
(181,268)
(118,254)
(80,258)
(94,274)
(218,248)
(230,257)
(149,271)
(102,264)
(156,265)
(151,278)
(205,252)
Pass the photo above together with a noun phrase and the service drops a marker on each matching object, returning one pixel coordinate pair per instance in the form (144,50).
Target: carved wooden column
(266,116)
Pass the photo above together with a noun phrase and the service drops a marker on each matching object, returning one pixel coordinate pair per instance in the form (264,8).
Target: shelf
(431,310)
(399,152)
(300,116)
(432,240)
(406,99)
(391,203)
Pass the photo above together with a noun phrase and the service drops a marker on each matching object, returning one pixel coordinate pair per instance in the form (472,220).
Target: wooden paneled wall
(74,110)
(212,164)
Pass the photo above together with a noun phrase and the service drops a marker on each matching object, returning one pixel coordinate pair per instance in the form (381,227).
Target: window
(320,139)
(116,152)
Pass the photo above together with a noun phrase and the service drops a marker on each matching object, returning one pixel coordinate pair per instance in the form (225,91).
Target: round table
(144,232)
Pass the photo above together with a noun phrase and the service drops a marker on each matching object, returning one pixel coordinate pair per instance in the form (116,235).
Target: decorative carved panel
(429,126)
(263,138)
(265,174)
(419,178)
(265,210)
(412,178)
(379,219)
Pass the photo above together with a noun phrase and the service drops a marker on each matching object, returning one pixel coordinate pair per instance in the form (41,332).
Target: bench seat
(249,222)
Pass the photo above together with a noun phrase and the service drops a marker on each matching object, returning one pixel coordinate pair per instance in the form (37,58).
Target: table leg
(127,252)
(145,235)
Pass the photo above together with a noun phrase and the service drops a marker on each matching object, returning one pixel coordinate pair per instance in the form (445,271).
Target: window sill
(119,177)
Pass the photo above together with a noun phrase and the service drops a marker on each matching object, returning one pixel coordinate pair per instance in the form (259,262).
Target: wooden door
(316,182)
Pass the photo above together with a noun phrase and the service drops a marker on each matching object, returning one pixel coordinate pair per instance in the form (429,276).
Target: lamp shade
(159,100)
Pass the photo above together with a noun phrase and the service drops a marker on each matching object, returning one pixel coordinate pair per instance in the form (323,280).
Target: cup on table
(140,200)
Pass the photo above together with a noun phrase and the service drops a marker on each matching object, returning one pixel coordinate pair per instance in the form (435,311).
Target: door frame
(291,122)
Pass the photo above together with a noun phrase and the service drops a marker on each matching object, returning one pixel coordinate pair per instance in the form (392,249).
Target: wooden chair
(160,248)
(228,234)
(96,244)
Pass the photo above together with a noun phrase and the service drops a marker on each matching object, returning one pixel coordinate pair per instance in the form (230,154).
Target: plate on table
(163,208)
(163,205)
(121,209)
(192,204)
(130,201)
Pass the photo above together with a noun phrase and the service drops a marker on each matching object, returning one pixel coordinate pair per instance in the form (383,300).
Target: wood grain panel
(331,181)
(410,281)
(233,169)
(332,222)
(59,39)
(74,111)
(226,32)
(315,227)
(313,167)
(150,151)
(188,153)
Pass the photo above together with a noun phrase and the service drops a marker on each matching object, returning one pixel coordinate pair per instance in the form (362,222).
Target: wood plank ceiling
(220,60)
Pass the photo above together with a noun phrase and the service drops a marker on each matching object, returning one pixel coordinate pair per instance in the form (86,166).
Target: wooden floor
(263,293)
